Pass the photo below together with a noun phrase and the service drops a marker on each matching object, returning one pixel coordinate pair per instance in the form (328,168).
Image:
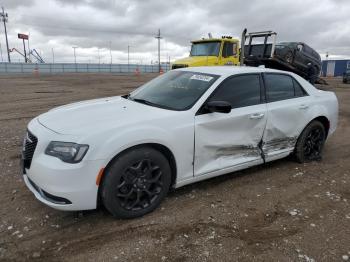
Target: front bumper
(58,184)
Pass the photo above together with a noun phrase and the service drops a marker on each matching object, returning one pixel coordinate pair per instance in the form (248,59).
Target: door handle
(303,107)
(256,116)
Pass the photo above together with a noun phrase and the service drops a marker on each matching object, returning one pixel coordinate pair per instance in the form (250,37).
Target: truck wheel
(136,183)
(289,57)
(310,143)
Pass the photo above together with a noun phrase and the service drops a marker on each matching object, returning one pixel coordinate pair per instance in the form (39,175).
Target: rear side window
(281,87)
(299,91)
(240,91)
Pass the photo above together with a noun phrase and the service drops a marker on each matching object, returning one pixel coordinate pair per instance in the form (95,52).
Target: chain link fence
(56,68)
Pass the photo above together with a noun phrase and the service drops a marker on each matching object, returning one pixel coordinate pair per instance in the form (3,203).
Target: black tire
(136,182)
(310,143)
(289,57)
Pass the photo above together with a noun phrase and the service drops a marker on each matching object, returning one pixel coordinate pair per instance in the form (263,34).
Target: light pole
(2,59)
(28,46)
(110,51)
(158,37)
(75,57)
(53,56)
(5,19)
(128,58)
(99,58)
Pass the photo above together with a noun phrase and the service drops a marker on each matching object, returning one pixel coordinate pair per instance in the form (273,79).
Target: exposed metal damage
(238,151)
(279,144)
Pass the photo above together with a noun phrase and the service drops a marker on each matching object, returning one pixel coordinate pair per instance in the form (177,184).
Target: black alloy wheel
(139,185)
(314,143)
(310,143)
(136,182)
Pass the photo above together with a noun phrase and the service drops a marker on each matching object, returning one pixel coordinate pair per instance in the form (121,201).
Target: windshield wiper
(143,101)
(149,103)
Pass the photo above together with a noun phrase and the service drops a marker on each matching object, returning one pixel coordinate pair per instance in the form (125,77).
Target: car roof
(229,70)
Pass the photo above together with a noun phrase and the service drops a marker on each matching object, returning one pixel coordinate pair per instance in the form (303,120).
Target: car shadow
(198,186)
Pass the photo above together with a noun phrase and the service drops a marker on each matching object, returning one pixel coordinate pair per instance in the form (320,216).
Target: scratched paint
(238,151)
(279,144)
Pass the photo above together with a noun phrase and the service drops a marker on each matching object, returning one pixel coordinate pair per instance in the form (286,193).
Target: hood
(93,115)
(197,60)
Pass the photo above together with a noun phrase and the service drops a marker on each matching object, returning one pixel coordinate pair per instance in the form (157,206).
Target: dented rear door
(229,140)
(287,115)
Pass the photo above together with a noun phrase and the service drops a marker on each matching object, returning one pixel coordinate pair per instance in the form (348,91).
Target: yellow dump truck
(211,52)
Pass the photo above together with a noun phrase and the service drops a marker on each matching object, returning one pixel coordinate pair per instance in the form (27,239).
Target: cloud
(98,25)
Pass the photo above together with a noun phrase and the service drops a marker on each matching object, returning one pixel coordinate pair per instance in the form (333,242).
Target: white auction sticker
(202,78)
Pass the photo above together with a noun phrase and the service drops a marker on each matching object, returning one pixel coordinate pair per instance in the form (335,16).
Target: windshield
(175,90)
(205,49)
(290,44)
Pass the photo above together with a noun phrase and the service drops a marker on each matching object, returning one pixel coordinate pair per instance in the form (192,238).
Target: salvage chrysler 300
(189,124)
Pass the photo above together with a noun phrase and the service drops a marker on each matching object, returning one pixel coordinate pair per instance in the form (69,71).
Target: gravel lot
(282,211)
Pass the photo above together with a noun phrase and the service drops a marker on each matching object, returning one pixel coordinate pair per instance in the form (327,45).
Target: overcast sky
(95,26)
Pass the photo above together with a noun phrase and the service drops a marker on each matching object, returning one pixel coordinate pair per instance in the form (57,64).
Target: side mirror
(219,107)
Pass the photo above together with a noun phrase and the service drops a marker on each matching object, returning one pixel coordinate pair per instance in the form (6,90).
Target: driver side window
(239,91)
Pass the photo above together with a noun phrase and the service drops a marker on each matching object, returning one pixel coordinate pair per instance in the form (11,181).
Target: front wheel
(310,143)
(136,182)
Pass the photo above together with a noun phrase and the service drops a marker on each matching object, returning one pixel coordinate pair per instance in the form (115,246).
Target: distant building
(335,67)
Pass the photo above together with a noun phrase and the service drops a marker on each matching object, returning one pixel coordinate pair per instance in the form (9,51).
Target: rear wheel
(136,183)
(310,143)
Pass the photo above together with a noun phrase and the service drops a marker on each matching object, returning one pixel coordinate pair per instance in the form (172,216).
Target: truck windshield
(205,49)
(175,90)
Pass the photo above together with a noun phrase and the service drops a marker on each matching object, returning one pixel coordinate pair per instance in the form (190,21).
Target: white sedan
(187,125)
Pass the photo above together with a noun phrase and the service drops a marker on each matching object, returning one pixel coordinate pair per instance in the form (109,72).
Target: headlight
(66,151)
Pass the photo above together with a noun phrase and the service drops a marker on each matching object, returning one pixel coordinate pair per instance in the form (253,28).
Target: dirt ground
(282,211)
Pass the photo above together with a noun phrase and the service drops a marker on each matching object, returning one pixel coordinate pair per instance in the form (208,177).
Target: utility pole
(2,59)
(53,56)
(4,17)
(28,46)
(110,50)
(99,58)
(128,58)
(75,58)
(158,37)
(25,52)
